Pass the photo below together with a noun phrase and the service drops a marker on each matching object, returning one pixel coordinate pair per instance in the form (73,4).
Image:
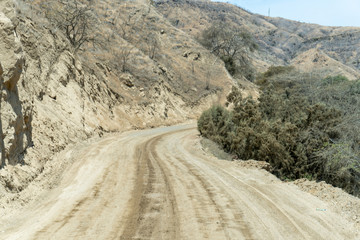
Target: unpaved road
(160,184)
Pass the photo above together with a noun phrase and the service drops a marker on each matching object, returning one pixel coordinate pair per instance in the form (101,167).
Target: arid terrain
(160,184)
(329,50)
(84,151)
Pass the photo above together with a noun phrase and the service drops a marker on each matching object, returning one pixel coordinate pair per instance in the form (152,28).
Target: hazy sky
(324,12)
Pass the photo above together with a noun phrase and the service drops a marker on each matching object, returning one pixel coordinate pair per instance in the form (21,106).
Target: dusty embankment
(52,97)
(160,184)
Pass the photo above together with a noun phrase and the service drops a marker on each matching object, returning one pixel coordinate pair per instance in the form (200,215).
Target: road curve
(160,184)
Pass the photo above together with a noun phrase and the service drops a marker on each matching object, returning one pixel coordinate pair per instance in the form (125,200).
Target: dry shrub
(232,46)
(301,132)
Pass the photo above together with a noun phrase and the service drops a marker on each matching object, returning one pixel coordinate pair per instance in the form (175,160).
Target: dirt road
(160,184)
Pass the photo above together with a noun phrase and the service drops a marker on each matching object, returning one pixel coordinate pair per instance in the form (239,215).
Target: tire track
(206,186)
(146,211)
(251,190)
(238,217)
(158,184)
(82,205)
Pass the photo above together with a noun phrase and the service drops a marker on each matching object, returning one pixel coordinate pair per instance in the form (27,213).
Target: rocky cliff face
(15,113)
(47,100)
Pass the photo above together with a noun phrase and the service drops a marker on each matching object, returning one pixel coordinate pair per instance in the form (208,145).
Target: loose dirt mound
(341,202)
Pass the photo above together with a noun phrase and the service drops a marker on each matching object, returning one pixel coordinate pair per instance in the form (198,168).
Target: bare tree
(74,18)
(152,45)
(231,45)
(125,26)
(122,58)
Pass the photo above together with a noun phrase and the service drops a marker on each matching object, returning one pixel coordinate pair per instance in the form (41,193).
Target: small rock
(163,69)
(128,83)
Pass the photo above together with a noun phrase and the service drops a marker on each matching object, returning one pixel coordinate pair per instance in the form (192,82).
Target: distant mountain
(281,41)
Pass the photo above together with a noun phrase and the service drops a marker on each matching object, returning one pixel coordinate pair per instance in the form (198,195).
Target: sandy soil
(160,184)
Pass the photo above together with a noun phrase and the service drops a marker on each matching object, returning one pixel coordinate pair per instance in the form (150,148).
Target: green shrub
(230,64)
(263,78)
(340,166)
(299,125)
(215,123)
(331,80)
(275,70)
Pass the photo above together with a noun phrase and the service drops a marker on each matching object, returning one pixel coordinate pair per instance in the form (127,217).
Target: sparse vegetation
(232,46)
(272,71)
(122,58)
(74,18)
(304,127)
(152,45)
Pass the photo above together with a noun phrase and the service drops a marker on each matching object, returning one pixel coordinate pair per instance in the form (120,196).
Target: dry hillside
(280,40)
(53,97)
(148,70)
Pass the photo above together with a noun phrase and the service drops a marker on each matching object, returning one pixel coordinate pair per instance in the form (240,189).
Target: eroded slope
(280,40)
(53,97)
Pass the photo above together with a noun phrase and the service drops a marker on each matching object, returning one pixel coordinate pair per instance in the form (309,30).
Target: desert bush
(340,166)
(276,70)
(272,71)
(302,126)
(230,64)
(232,46)
(330,80)
(215,124)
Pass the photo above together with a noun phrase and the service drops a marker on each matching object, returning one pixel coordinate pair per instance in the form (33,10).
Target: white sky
(324,12)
